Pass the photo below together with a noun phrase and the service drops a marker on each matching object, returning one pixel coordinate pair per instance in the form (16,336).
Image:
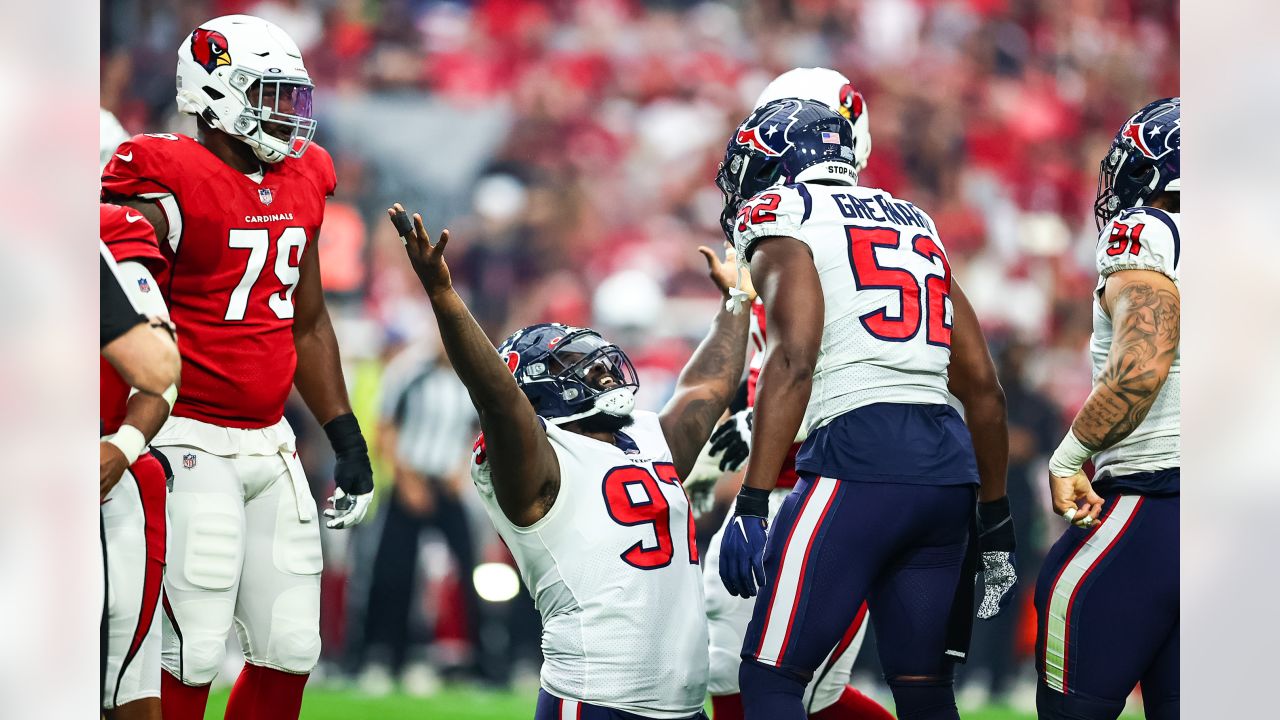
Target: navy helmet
(1143,160)
(784,141)
(563,370)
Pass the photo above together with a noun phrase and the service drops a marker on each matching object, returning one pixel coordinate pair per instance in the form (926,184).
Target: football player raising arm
(524,467)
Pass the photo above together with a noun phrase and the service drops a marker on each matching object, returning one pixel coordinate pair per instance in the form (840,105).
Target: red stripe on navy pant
(145,472)
(804,567)
(1066,636)
(774,595)
(858,618)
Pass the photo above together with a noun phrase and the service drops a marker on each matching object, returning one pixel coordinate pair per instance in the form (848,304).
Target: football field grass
(468,704)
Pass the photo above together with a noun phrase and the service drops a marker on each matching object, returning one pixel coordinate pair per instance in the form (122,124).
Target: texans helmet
(783,142)
(832,89)
(1143,160)
(561,369)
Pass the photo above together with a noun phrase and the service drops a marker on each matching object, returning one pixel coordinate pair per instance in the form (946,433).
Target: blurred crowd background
(570,147)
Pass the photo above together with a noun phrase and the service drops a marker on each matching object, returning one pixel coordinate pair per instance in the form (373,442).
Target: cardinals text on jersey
(235,244)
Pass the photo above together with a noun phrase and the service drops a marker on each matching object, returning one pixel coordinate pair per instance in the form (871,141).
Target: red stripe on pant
(850,634)
(1066,634)
(773,597)
(804,567)
(150,477)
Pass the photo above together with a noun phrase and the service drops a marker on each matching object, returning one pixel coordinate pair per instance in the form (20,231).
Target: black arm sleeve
(118,315)
(739,401)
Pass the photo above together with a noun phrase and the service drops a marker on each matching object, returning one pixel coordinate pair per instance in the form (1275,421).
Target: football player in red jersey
(237,212)
(132,488)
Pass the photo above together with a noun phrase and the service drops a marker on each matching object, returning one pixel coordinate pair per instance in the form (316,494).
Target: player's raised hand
(726,274)
(427,258)
(1074,499)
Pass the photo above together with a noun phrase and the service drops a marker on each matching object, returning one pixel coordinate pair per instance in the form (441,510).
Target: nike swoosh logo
(126,158)
(132,218)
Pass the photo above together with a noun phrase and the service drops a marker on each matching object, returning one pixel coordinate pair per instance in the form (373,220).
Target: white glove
(700,485)
(347,510)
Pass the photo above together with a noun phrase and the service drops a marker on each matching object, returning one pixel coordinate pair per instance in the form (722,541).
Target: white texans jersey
(1140,239)
(886,285)
(613,570)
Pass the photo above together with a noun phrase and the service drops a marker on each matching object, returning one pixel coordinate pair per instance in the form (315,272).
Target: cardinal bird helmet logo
(209,48)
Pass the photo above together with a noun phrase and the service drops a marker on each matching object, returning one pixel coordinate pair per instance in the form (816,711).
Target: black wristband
(753,502)
(993,512)
(344,435)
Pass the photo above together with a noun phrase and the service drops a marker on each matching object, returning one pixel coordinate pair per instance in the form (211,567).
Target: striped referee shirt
(432,413)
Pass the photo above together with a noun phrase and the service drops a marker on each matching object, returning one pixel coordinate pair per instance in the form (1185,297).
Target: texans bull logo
(209,48)
(767,131)
(1153,137)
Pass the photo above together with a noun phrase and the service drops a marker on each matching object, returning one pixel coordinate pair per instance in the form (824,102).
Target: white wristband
(170,395)
(1070,456)
(738,301)
(130,441)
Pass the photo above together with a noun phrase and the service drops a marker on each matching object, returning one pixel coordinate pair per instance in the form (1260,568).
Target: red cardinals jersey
(129,237)
(234,247)
(787,476)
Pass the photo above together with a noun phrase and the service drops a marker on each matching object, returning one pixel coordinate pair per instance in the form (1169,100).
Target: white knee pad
(294,641)
(194,650)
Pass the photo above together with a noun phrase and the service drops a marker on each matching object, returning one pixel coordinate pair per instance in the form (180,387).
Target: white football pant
(244,545)
(134,521)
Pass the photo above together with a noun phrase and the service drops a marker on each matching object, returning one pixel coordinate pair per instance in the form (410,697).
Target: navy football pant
(551,707)
(1107,607)
(835,544)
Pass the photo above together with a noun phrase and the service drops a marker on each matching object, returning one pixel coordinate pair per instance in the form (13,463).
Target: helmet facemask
(276,120)
(590,375)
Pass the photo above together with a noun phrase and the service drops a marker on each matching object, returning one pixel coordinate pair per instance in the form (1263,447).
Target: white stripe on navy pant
(785,600)
(570,709)
(1069,581)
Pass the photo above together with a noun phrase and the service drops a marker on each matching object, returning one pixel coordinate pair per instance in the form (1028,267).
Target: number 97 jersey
(886,286)
(234,246)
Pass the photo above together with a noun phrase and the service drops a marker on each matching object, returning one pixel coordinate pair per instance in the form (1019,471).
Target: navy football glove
(732,441)
(742,547)
(996,543)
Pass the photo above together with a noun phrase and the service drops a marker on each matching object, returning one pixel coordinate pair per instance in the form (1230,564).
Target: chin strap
(619,403)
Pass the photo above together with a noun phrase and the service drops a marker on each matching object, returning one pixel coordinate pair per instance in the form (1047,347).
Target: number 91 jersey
(886,286)
(613,570)
(1139,238)
(234,248)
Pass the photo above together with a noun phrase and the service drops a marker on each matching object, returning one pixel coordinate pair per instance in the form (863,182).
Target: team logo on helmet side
(1149,136)
(513,361)
(850,103)
(767,132)
(209,48)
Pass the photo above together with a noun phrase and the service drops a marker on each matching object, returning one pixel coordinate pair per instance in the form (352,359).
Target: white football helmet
(244,76)
(110,134)
(835,91)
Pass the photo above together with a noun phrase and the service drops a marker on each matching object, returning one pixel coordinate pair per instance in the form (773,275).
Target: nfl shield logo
(188,461)
(143,285)
(264,194)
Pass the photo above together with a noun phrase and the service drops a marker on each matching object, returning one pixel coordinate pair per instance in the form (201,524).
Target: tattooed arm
(1145,314)
(710,379)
